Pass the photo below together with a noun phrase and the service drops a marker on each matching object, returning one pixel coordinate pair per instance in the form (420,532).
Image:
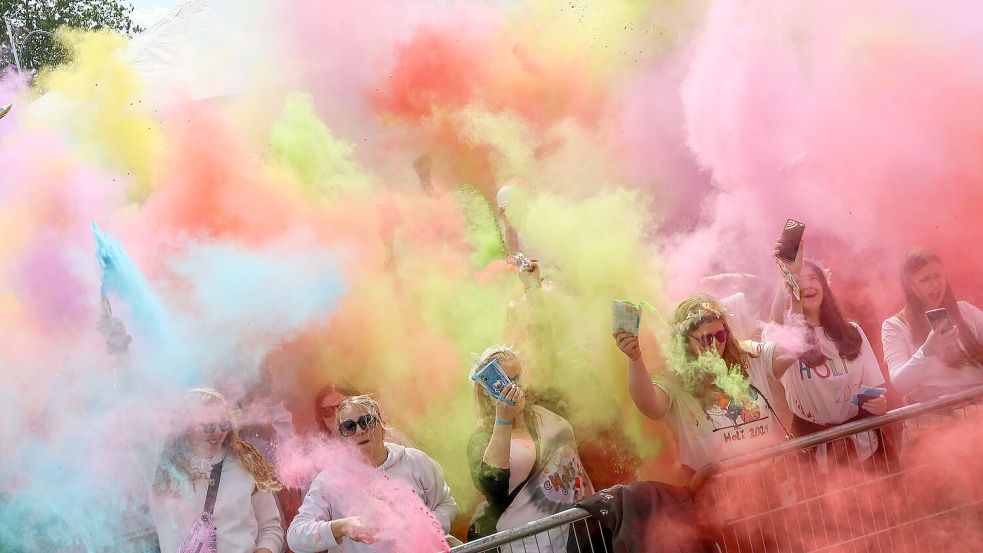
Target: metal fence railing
(921,490)
(542,536)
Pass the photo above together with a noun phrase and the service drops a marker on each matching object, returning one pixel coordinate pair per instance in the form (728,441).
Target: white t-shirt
(823,394)
(911,369)
(726,428)
(559,484)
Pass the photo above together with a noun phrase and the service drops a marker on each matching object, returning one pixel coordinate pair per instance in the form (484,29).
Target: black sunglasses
(211,427)
(349,427)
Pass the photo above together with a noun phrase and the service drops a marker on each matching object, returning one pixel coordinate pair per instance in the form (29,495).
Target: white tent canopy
(202,49)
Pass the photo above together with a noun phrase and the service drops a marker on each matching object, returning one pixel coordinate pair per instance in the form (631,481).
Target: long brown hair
(837,328)
(175,463)
(913,312)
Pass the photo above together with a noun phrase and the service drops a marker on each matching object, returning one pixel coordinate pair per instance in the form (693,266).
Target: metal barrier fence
(540,536)
(817,493)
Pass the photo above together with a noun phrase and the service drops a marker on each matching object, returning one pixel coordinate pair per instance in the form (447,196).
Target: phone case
(793,231)
(494,379)
(625,316)
(867,393)
(937,316)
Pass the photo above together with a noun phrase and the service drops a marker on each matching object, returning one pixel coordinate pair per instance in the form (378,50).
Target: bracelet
(500,421)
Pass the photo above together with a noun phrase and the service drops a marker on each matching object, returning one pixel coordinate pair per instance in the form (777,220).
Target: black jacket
(642,517)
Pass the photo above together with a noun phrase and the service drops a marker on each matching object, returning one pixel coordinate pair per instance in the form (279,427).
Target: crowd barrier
(817,494)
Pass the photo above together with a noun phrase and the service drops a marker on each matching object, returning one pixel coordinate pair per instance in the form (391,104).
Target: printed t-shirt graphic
(822,394)
(724,427)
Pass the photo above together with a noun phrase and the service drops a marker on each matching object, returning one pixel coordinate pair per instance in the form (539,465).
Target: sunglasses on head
(707,339)
(210,427)
(349,427)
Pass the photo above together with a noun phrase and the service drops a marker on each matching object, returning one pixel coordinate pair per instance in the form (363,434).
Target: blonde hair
(484,405)
(690,314)
(367,403)
(175,463)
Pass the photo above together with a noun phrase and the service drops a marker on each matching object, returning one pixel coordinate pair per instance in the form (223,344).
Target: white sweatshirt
(911,369)
(244,521)
(310,531)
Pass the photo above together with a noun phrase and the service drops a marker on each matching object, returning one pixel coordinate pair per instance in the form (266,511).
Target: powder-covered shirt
(911,370)
(245,521)
(556,483)
(725,427)
(310,531)
(823,394)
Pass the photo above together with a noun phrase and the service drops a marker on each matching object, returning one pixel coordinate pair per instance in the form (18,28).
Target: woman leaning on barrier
(523,458)
(927,362)
(834,380)
(714,394)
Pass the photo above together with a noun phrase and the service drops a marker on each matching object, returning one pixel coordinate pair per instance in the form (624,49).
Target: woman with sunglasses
(825,387)
(208,460)
(927,362)
(523,459)
(325,522)
(713,414)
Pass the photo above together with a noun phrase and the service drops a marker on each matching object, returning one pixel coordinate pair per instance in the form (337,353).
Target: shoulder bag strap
(212,492)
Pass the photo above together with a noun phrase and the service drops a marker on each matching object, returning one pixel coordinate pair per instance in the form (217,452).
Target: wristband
(500,421)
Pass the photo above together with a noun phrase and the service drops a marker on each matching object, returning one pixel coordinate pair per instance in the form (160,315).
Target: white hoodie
(246,519)
(310,531)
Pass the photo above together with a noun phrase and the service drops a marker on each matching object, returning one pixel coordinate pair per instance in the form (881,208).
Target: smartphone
(791,238)
(493,379)
(938,318)
(865,394)
(625,316)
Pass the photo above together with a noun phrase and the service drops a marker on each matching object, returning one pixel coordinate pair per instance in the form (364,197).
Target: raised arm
(650,399)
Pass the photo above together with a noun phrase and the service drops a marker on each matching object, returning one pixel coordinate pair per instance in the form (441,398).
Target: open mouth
(215,440)
(809,294)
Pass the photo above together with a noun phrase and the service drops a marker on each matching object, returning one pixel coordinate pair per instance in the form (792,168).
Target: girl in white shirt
(822,389)
(246,516)
(926,363)
(715,395)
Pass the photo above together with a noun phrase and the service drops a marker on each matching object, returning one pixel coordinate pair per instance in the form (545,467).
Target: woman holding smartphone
(828,384)
(523,458)
(927,362)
